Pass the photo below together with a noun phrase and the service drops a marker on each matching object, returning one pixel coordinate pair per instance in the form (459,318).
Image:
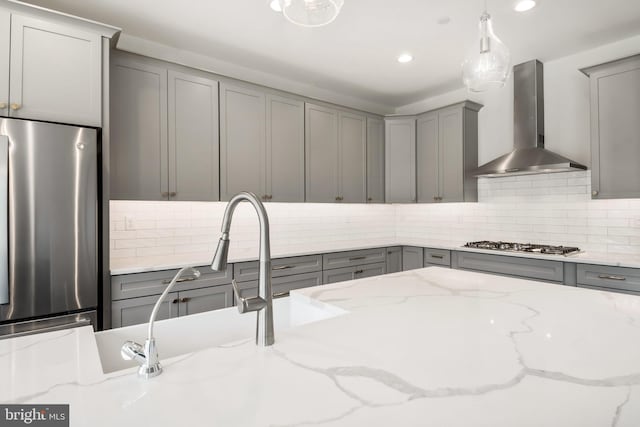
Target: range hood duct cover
(529,155)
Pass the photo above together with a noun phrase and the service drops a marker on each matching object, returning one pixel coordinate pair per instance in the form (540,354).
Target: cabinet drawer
(282,285)
(437,257)
(527,268)
(247,271)
(352,273)
(153,283)
(610,278)
(353,258)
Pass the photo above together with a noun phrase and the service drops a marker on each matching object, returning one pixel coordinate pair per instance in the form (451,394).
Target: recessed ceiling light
(404,58)
(524,5)
(275,6)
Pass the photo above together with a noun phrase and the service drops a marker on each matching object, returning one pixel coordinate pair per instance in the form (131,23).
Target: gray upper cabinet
(242,141)
(285,150)
(352,159)
(262,145)
(447,154)
(321,153)
(164,132)
(193,137)
(400,160)
(139,148)
(615,129)
(55,71)
(5,41)
(375,160)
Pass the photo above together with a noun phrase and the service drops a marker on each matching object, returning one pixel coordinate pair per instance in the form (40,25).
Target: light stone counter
(429,347)
(167,262)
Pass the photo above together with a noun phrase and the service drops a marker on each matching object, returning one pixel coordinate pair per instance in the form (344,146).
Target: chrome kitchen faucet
(263,303)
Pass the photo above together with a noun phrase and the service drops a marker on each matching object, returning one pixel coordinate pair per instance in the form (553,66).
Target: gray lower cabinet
(247,271)
(447,154)
(354,272)
(394,259)
(615,129)
(281,286)
(336,160)
(412,258)
(438,257)
(400,160)
(613,279)
(137,310)
(375,160)
(164,131)
(528,268)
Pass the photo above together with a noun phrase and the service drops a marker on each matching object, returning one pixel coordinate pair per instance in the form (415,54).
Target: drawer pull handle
(358,272)
(357,258)
(175,301)
(609,277)
(437,256)
(282,267)
(185,299)
(281,295)
(3,105)
(16,107)
(182,279)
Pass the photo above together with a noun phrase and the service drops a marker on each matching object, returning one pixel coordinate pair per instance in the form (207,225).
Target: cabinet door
(428,158)
(139,163)
(375,160)
(451,162)
(394,260)
(285,150)
(400,160)
(56,72)
(5,42)
(137,310)
(352,160)
(242,141)
(412,258)
(205,299)
(193,137)
(321,151)
(615,130)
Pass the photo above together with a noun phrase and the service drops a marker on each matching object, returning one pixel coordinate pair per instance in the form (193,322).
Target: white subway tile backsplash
(553,209)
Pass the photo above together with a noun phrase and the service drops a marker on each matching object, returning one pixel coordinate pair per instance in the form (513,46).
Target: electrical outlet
(128,223)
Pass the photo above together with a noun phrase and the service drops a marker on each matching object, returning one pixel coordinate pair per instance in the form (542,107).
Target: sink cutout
(187,334)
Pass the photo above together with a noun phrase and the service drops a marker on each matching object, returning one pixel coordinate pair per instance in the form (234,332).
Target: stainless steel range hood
(529,155)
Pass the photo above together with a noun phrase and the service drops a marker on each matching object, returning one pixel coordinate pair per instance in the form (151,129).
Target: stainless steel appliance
(48,226)
(523,247)
(529,155)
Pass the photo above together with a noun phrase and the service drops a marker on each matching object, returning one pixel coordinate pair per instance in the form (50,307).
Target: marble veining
(424,347)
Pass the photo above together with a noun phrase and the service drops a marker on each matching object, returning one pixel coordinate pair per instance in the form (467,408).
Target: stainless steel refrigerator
(48,226)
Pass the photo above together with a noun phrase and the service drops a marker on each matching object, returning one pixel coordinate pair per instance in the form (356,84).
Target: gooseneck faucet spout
(263,304)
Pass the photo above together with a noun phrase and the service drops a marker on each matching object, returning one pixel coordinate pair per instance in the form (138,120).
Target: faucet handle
(131,350)
(247,305)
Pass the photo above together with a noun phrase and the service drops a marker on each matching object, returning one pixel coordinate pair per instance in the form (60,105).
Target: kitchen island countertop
(425,347)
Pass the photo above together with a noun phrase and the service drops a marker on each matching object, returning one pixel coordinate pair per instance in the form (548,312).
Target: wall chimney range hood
(529,155)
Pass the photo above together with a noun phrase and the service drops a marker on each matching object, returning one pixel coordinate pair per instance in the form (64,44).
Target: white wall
(566,105)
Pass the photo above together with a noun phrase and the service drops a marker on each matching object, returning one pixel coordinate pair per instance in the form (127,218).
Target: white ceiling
(356,54)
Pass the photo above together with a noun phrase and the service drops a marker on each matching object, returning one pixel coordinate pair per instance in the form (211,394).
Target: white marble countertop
(166,262)
(429,347)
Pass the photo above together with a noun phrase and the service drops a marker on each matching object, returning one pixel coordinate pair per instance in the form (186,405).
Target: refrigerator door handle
(4,220)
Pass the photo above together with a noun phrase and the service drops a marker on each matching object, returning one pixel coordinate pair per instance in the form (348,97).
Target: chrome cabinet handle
(182,279)
(281,295)
(282,267)
(358,272)
(339,199)
(610,277)
(369,199)
(16,107)
(3,105)
(356,258)
(437,256)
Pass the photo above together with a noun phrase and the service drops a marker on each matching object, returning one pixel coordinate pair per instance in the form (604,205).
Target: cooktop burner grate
(523,247)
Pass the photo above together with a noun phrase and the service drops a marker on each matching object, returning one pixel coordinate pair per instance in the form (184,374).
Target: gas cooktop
(523,247)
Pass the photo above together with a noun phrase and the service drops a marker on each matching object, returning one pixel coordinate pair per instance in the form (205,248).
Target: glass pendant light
(488,65)
(311,13)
